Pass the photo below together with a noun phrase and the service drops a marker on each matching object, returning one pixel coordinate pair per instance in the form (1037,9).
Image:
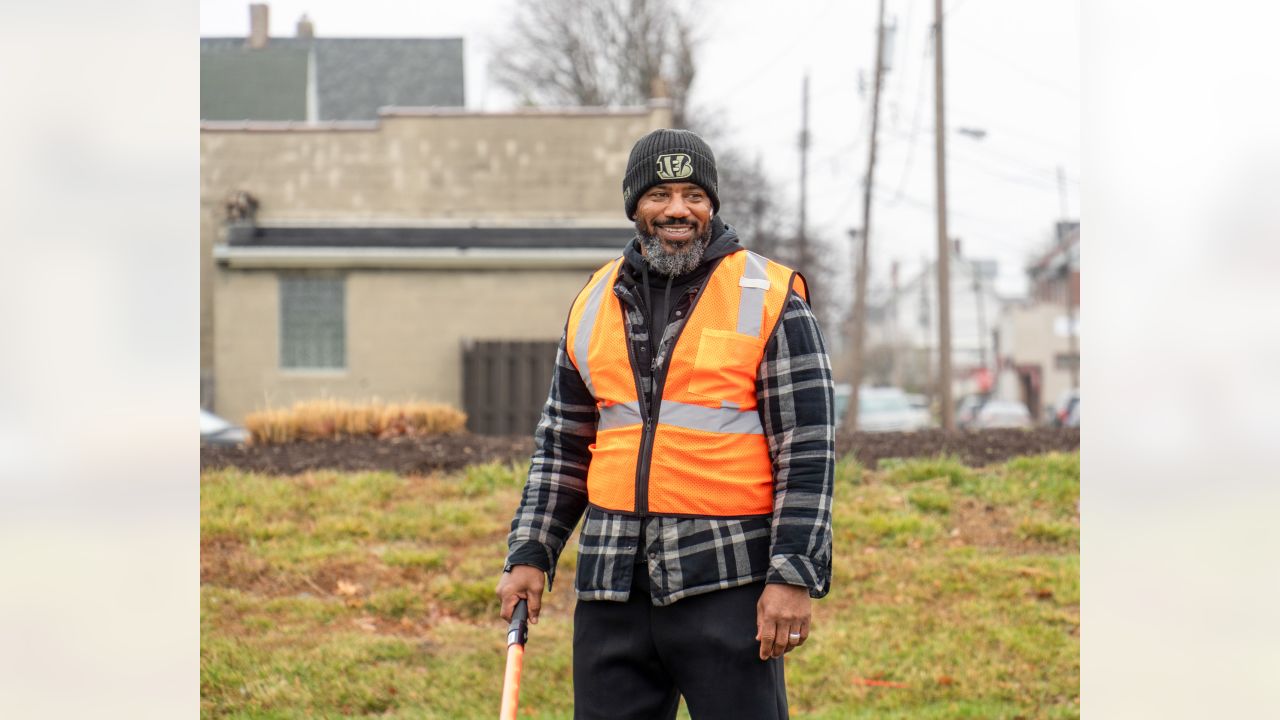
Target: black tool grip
(518,631)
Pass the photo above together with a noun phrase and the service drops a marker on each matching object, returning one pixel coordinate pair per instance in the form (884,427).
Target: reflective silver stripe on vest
(582,341)
(620,415)
(717,420)
(754,283)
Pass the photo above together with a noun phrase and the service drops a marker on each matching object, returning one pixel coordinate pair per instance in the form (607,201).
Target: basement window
(313,329)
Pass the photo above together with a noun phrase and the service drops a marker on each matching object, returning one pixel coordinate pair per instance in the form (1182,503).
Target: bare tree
(598,52)
(611,53)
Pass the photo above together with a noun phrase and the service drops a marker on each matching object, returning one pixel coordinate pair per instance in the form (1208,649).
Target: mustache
(673,223)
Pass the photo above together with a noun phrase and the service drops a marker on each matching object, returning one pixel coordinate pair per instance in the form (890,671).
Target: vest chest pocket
(726,365)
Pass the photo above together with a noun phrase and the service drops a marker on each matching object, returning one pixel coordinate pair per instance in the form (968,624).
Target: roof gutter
(245,258)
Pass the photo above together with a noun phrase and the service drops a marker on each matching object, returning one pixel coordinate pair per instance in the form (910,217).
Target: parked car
(216,431)
(1002,414)
(918,401)
(1062,408)
(886,409)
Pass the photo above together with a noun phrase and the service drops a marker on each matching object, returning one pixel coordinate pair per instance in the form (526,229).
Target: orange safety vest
(704,452)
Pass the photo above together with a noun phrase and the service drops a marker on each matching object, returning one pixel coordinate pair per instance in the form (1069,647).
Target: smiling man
(691,420)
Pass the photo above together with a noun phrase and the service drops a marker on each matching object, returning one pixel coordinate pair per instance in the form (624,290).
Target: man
(691,419)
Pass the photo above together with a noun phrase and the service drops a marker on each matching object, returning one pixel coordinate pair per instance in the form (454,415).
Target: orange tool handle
(517,634)
(511,683)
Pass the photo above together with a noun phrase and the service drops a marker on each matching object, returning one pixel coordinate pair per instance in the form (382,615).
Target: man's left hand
(782,619)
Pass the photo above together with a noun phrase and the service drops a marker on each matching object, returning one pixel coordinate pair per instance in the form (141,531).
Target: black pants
(634,660)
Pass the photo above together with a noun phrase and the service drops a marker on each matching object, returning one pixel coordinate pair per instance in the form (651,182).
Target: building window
(313,328)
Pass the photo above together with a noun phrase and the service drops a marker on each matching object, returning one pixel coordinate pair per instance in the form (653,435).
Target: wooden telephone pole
(864,236)
(944,245)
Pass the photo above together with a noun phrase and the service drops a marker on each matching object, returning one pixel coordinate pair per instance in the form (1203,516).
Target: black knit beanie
(669,156)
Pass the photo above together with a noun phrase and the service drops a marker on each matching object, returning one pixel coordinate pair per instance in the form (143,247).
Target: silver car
(886,409)
(1002,414)
(216,431)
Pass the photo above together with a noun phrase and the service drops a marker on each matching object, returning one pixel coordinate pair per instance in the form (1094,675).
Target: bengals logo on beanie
(669,156)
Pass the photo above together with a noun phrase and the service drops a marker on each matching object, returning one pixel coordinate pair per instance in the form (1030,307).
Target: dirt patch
(976,523)
(224,561)
(402,455)
(976,448)
(447,453)
(979,524)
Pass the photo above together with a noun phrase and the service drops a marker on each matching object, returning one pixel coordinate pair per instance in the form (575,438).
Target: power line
(954,6)
(923,206)
(915,130)
(907,28)
(1017,165)
(752,76)
(1018,68)
(985,120)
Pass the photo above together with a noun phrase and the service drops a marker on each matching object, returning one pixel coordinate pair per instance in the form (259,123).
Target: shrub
(330,418)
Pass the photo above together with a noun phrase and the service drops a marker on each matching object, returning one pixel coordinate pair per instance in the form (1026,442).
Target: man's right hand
(523,582)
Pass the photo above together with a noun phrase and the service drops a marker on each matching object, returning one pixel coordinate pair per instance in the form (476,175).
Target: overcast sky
(1012,70)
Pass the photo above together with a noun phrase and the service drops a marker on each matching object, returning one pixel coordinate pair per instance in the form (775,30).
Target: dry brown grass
(330,418)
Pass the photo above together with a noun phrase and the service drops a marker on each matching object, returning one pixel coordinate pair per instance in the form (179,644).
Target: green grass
(331,595)
(915,470)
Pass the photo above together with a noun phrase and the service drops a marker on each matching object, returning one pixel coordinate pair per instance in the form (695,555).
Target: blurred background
(399,201)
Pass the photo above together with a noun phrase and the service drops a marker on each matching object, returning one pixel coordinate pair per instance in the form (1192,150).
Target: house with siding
(902,326)
(1041,336)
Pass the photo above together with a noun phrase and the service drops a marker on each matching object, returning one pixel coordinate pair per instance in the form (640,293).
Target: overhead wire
(915,126)
(751,76)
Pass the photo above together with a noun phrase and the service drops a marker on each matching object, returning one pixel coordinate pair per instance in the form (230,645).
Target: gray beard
(677,263)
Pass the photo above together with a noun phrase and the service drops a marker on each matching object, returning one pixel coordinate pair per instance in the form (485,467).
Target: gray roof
(428,237)
(267,84)
(353,76)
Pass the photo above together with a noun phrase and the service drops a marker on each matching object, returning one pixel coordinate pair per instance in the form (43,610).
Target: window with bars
(313,322)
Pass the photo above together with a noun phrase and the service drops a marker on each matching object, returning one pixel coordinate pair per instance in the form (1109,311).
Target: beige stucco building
(358,259)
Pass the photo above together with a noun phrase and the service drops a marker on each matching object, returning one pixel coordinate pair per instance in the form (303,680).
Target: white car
(216,431)
(886,409)
(1002,414)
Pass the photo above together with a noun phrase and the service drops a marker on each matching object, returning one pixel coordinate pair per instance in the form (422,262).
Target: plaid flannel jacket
(689,556)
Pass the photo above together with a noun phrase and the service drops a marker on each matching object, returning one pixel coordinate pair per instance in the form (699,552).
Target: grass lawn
(955,595)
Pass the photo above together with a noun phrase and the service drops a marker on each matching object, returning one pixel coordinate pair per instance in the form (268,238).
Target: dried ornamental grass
(330,418)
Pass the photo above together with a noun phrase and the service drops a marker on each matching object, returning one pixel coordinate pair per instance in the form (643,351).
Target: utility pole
(802,241)
(860,292)
(944,249)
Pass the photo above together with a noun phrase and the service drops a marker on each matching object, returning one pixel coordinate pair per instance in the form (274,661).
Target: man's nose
(677,208)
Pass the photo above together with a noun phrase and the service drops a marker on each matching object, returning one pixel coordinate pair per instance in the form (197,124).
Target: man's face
(674,223)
